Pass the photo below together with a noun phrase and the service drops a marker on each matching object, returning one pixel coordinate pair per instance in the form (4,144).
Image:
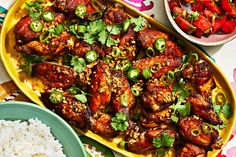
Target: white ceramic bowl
(212,40)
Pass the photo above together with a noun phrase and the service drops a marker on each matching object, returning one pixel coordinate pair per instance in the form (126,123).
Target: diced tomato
(208,14)
(173,4)
(187,1)
(218,23)
(197,6)
(202,23)
(198,33)
(212,6)
(184,25)
(226,6)
(179,11)
(228,26)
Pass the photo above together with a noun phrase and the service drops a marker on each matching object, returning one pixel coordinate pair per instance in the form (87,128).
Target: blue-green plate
(15,110)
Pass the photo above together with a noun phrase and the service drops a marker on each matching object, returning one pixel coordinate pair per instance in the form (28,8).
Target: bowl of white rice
(29,130)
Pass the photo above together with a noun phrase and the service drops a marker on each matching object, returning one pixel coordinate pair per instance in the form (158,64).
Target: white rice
(29,138)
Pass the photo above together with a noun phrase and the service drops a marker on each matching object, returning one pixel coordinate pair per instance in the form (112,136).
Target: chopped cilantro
(78,63)
(96,27)
(220,127)
(35,9)
(111,41)
(226,109)
(89,38)
(81,97)
(139,23)
(103,37)
(115,29)
(120,121)
(184,110)
(193,16)
(165,140)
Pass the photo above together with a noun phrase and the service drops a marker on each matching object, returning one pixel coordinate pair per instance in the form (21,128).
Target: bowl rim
(191,37)
(12,104)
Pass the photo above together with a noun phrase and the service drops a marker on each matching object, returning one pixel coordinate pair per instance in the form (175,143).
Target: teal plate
(15,110)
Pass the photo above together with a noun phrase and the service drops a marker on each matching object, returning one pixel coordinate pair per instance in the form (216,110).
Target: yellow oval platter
(10,59)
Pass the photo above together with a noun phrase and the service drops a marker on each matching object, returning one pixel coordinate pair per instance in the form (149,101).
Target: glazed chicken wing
(204,109)
(172,49)
(206,89)
(70,109)
(69,7)
(199,73)
(115,15)
(57,46)
(191,130)
(54,75)
(148,36)
(101,124)
(162,64)
(191,150)
(122,97)
(157,96)
(100,89)
(23,32)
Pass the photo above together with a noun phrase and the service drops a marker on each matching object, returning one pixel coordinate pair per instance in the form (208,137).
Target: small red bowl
(212,40)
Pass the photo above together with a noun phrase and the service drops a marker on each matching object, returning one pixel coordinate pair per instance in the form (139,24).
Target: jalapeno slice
(123,65)
(56,97)
(135,91)
(36,26)
(48,16)
(125,25)
(133,74)
(91,56)
(81,11)
(160,44)
(124,99)
(81,29)
(147,73)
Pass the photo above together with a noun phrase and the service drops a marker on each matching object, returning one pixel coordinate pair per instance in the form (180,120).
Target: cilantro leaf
(81,97)
(115,29)
(78,63)
(184,110)
(227,110)
(111,41)
(89,38)
(157,143)
(103,37)
(165,140)
(161,152)
(217,109)
(96,27)
(35,9)
(220,127)
(139,22)
(120,122)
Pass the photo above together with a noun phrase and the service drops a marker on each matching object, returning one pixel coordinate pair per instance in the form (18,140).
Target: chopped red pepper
(198,33)
(202,23)
(212,6)
(184,25)
(218,23)
(197,6)
(179,11)
(228,26)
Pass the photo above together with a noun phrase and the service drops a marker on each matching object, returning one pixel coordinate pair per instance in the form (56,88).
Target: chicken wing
(100,89)
(206,89)
(122,97)
(115,15)
(70,109)
(57,46)
(172,49)
(54,75)
(157,96)
(189,125)
(203,109)
(147,37)
(191,150)
(199,73)
(101,124)
(23,32)
(69,7)
(164,63)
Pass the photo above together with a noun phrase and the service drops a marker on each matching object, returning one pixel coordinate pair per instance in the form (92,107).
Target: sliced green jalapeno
(36,26)
(133,74)
(125,25)
(56,97)
(91,56)
(147,73)
(48,16)
(135,91)
(81,29)
(123,65)
(81,11)
(160,44)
